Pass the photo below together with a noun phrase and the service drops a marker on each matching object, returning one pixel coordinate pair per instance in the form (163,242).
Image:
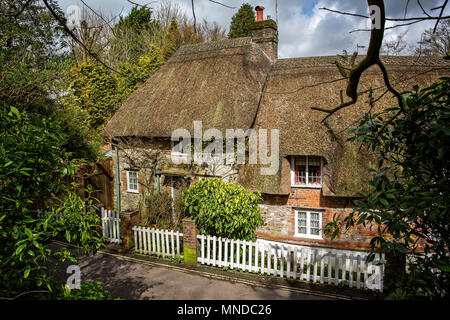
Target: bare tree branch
(305,87)
(222,4)
(193,11)
(100,16)
(423,10)
(18,13)
(74,37)
(387,19)
(141,5)
(193,14)
(372,58)
(406,8)
(388,28)
(440,15)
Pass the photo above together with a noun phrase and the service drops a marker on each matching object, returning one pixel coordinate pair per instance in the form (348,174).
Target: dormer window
(306,171)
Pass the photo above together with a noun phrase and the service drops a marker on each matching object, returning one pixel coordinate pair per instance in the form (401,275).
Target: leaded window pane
(307,170)
(313,170)
(302,220)
(132,180)
(315,223)
(308,223)
(315,216)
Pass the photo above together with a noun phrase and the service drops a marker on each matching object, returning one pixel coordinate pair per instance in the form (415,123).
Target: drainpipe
(117,180)
(158,175)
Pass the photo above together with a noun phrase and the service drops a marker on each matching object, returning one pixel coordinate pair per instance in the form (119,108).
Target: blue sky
(304,29)
(308,7)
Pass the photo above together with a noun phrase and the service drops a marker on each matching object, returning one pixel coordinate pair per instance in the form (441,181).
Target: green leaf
(20,248)
(68,236)
(15,112)
(28,233)
(26,273)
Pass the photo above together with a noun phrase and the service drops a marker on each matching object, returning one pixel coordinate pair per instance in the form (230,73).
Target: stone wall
(276,219)
(138,157)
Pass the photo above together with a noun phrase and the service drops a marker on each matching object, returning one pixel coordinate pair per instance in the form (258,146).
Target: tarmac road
(130,278)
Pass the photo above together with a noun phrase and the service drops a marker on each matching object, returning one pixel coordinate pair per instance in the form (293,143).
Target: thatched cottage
(241,84)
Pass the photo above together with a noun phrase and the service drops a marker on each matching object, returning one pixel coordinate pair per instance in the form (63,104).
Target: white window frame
(128,181)
(308,224)
(305,185)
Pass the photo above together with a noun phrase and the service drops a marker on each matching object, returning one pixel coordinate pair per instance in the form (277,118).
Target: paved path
(130,278)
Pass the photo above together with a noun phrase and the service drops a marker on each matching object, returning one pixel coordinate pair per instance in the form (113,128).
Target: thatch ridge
(195,48)
(329,61)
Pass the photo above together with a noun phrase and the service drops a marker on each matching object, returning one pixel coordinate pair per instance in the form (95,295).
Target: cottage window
(132,182)
(308,224)
(306,171)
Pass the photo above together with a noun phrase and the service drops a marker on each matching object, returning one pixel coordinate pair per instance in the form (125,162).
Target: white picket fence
(332,266)
(157,241)
(111,226)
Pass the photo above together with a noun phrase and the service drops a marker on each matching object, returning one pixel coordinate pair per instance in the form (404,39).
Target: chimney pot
(265,34)
(259,13)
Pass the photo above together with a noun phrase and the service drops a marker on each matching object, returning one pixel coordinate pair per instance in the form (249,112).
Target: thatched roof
(221,84)
(218,83)
(291,90)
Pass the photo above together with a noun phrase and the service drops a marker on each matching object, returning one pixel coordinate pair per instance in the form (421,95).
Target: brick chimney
(259,13)
(265,34)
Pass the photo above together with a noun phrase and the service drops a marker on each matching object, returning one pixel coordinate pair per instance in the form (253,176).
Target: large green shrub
(36,205)
(224,209)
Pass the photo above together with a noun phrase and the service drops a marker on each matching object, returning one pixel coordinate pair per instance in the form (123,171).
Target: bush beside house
(223,209)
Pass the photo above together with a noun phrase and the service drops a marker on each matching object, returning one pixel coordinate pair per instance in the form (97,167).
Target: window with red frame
(307,171)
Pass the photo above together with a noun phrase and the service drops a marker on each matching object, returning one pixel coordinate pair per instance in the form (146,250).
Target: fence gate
(167,243)
(111,226)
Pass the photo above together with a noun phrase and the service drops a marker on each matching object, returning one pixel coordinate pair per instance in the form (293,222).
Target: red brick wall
(189,234)
(356,238)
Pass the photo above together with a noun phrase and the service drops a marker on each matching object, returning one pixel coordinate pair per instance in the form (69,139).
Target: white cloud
(304,29)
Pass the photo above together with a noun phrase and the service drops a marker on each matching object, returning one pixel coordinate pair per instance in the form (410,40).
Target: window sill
(132,191)
(308,236)
(306,186)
